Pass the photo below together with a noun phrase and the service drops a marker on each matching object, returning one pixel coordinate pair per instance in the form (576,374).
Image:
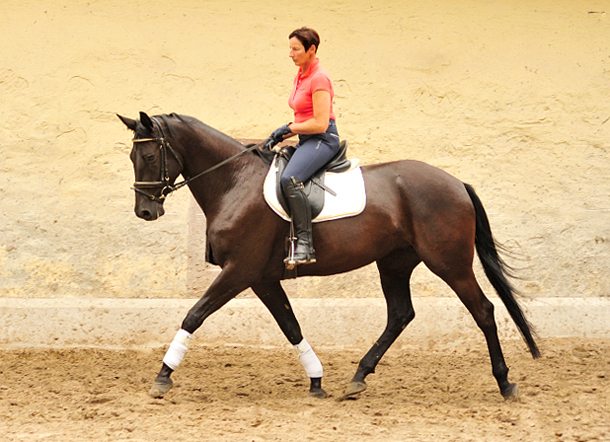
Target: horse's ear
(131,124)
(146,121)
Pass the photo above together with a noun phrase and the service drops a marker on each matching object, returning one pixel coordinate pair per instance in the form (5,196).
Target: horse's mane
(195,124)
(198,125)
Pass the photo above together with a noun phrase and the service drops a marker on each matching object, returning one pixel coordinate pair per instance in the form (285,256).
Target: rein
(165,182)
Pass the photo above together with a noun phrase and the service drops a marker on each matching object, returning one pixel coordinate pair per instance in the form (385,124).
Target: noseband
(165,183)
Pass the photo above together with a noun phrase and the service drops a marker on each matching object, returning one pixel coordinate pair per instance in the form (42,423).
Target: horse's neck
(212,146)
(213,190)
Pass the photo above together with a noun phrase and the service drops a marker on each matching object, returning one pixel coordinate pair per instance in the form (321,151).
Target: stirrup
(291,263)
(290,260)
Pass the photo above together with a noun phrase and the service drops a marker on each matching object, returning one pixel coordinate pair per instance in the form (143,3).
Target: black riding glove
(277,136)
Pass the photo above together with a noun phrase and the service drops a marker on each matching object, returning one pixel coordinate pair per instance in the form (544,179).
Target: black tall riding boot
(300,211)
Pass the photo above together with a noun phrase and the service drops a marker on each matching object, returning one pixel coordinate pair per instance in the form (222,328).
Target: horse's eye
(149,158)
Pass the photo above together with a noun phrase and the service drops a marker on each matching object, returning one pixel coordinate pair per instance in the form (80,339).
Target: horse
(414,213)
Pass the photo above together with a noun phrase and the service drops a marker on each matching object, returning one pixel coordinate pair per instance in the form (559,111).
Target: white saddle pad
(349,187)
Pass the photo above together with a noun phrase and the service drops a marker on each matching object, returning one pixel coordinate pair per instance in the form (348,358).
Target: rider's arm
(321,115)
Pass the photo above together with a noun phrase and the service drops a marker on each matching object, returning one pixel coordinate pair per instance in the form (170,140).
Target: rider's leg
(300,211)
(311,154)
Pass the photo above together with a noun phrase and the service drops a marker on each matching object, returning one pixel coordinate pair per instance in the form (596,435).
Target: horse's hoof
(318,394)
(354,388)
(512,392)
(159,388)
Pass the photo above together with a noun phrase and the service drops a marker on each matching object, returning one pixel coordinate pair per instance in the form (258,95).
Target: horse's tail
(498,272)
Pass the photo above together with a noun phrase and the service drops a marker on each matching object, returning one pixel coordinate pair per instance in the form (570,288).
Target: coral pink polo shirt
(301,99)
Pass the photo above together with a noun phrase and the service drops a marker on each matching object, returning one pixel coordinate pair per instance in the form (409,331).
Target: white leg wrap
(311,363)
(177,349)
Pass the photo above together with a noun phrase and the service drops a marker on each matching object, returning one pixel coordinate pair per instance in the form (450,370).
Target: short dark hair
(307,37)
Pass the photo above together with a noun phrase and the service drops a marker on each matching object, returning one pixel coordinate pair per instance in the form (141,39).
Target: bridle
(165,182)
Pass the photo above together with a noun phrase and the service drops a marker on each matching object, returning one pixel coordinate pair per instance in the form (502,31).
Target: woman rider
(314,122)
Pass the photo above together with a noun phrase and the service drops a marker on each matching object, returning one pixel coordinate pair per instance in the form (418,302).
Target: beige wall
(512,97)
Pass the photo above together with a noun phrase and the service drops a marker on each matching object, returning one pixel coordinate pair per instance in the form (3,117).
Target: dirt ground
(248,394)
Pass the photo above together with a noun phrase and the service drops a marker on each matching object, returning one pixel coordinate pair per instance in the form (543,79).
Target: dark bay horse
(414,213)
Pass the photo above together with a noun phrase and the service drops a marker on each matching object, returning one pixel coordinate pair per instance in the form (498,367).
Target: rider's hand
(270,145)
(278,134)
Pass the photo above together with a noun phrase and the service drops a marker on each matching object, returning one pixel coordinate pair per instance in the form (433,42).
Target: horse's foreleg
(224,288)
(395,284)
(171,361)
(275,299)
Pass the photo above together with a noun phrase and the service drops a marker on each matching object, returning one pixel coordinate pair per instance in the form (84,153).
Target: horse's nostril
(145,214)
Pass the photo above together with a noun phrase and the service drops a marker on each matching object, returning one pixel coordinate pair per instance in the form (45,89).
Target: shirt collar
(314,64)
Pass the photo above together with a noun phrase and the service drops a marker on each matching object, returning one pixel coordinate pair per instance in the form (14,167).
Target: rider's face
(299,55)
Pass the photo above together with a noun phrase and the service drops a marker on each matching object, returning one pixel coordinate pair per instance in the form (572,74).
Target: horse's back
(417,181)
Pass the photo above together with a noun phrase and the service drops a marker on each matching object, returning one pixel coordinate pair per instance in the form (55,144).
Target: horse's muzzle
(150,210)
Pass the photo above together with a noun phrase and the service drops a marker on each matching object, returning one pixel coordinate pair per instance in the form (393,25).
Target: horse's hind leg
(462,280)
(482,310)
(395,271)
(274,297)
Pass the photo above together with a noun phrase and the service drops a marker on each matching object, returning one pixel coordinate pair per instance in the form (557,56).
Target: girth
(314,187)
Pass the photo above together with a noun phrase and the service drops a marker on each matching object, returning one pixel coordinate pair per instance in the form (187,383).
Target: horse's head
(155,168)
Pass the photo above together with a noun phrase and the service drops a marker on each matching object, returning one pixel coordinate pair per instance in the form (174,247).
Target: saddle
(315,187)
(347,193)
